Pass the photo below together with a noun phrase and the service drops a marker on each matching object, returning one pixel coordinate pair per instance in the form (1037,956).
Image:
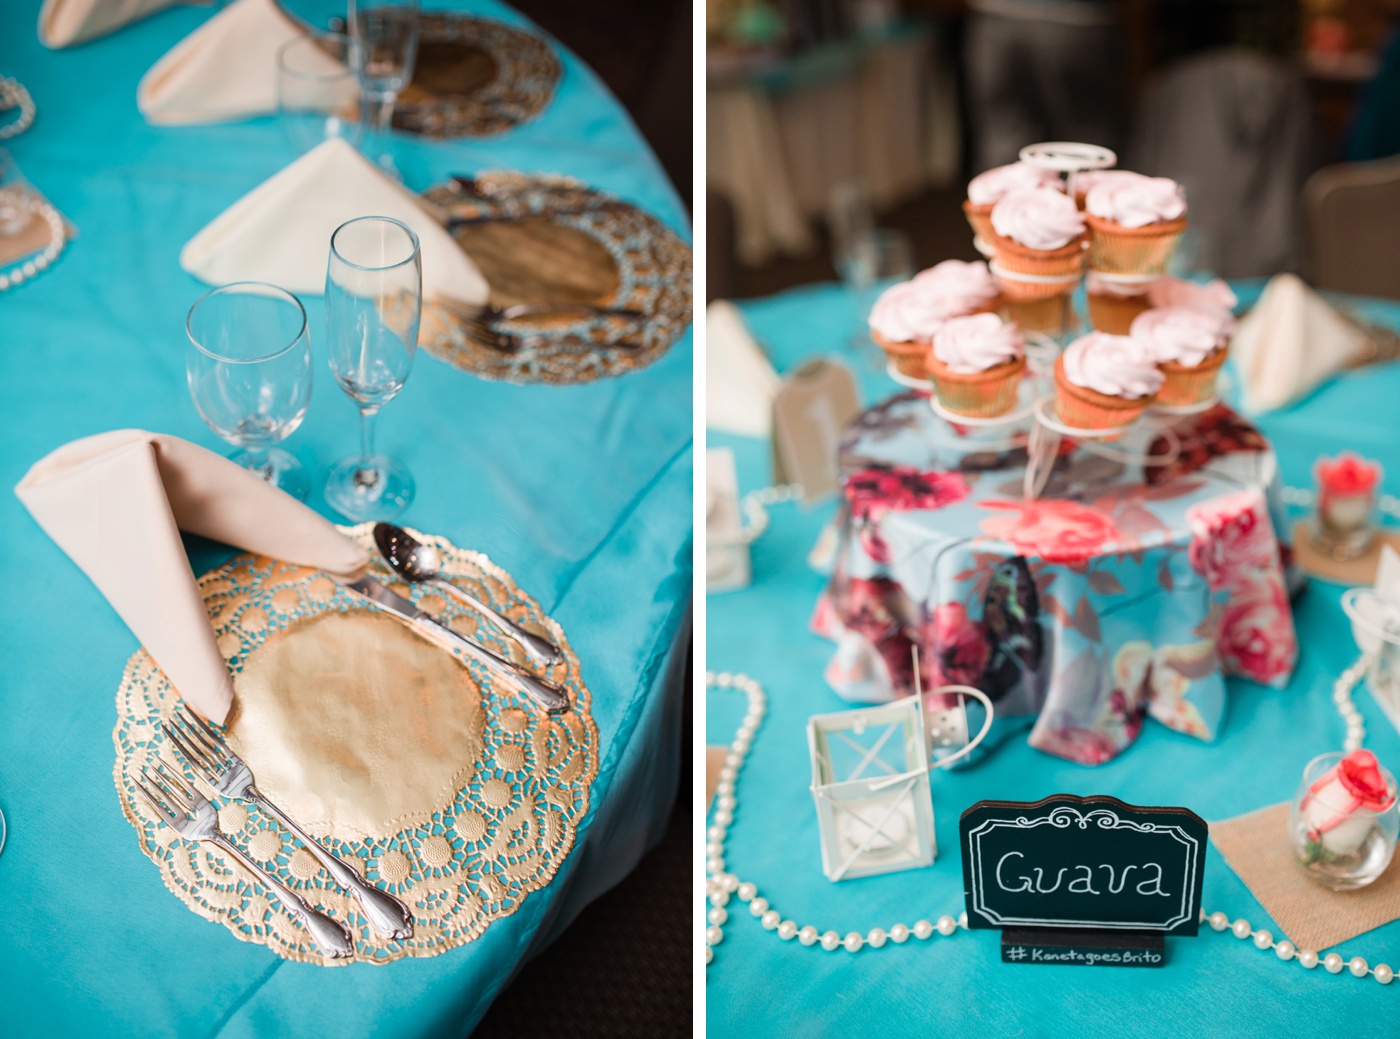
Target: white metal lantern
(1378,636)
(870,782)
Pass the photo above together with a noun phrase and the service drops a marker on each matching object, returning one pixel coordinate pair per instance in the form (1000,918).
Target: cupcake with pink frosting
(1134,223)
(976,363)
(1189,346)
(1083,182)
(987,189)
(907,315)
(1105,381)
(1114,304)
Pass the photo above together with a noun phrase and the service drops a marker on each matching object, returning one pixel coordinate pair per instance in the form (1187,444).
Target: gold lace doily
(564,243)
(475,78)
(461,840)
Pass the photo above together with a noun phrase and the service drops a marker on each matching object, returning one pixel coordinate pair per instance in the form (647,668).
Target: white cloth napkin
(116,503)
(226,69)
(62,23)
(740,384)
(280,232)
(1291,341)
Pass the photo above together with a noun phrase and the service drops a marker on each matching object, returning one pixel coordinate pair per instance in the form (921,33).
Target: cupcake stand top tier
(1144,572)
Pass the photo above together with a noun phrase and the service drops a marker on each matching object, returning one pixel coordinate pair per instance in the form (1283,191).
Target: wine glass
(374,298)
(248,364)
(318,89)
(876,258)
(387,31)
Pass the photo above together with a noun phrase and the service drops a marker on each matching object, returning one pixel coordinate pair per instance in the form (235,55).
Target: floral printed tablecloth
(1125,591)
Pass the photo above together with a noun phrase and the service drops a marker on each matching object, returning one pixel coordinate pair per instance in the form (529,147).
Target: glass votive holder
(1344,821)
(1347,488)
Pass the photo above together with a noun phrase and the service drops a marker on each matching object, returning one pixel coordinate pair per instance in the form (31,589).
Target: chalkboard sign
(1090,863)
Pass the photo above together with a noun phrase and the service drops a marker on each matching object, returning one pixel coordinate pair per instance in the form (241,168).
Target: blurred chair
(1353,217)
(1233,127)
(721,254)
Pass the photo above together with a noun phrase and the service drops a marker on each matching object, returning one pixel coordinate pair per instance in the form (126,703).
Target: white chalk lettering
(1086,882)
(1025,881)
(1156,881)
(1033,879)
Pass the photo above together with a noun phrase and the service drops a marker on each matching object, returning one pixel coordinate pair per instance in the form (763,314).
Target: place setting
(352,743)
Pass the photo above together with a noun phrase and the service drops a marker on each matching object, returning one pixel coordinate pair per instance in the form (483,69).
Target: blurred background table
(583,493)
(1213,984)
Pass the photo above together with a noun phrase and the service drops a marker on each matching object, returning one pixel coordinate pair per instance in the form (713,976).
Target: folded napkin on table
(116,503)
(740,382)
(280,232)
(63,23)
(1291,341)
(226,69)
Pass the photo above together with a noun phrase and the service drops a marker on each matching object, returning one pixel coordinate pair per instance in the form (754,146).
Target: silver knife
(553,699)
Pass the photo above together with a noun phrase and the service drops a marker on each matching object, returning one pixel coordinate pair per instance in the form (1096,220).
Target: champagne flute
(387,31)
(248,364)
(374,298)
(318,89)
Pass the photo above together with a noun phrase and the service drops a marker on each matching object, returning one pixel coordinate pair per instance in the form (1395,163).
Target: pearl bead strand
(1333,962)
(1341,696)
(721,885)
(58,236)
(14,95)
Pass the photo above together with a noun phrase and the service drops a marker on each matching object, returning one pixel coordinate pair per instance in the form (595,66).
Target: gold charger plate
(426,773)
(553,239)
(475,78)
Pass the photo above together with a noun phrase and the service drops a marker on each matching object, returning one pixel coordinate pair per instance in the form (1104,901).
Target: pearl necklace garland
(721,885)
(14,95)
(21,273)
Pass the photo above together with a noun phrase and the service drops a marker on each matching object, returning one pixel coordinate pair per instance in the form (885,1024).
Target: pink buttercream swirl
(1086,180)
(1038,218)
(974,344)
(964,286)
(1133,200)
(990,187)
(1119,366)
(906,314)
(1179,334)
(1214,297)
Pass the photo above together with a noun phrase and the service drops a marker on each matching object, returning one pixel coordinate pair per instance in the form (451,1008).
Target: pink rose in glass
(1053,530)
(1231,538)
(954,650)
(1257,639)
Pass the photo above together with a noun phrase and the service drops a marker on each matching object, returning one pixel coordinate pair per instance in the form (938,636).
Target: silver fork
(204,748)
(191,815)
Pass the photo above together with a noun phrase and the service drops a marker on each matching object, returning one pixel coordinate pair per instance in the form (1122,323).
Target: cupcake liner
(908,358)
(1082,408)
(1114,314)
(979,218)
(1132,250)
(1061,267)
(1052,315)
(1184,386)
(984,394)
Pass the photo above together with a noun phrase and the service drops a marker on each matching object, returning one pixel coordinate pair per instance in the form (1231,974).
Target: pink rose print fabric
(1121,597)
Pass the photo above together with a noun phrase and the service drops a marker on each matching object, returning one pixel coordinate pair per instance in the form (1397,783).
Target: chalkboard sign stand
(1068,947)
(1090,881)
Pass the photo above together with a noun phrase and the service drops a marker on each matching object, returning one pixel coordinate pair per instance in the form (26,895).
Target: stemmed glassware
(318,89)
(248,364)
(387,31)
(374,296)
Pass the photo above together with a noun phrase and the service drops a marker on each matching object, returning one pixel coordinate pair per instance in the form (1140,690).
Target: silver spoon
(418,563)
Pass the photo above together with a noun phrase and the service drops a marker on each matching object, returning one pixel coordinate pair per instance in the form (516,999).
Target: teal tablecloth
(1213,985)
(583,493)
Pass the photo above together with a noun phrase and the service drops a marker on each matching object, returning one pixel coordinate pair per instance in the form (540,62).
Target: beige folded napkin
(62,23)
(116,503)
(280,232)
(740,382)
(226,69)
(1291,341)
